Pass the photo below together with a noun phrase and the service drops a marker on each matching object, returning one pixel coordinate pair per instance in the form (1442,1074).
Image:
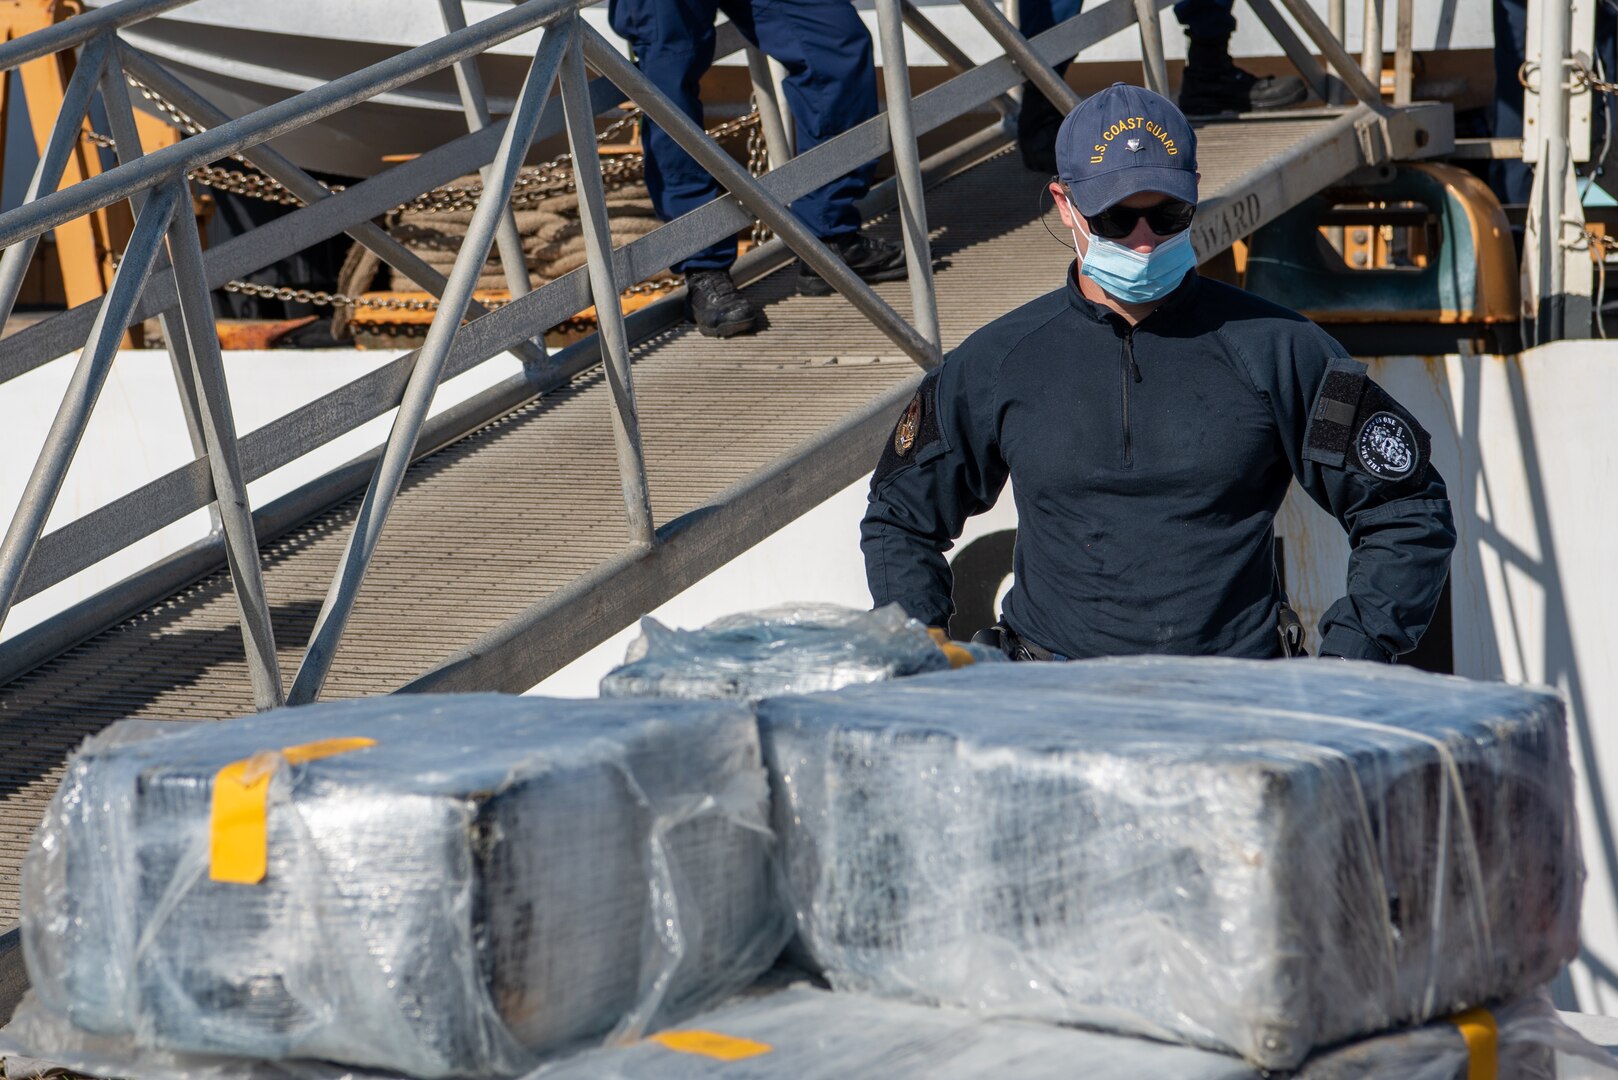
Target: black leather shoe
(872,259)
(714,304)
(1212,84)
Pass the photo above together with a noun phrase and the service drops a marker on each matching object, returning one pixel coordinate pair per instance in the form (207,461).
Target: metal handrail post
(89,376)
(580,120)
(63,138)
(776,142)
(418,395)
(907,169)
(69,33)
(1314,76)
(789,124)
(475,103)
(958,62)
(1337,23)
(1371,44)
(758,201)
(1152,63)
(1551,174)
(1332,49)
(127,146)
(277,167)
(224,454)
(1404,57)
(279,119)
(1022,54)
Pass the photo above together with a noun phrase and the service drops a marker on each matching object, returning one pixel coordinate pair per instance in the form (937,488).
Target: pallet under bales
(494,876)
(1259,857)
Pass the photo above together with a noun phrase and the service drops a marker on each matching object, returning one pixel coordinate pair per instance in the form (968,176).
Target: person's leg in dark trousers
(830,87)
(1039,118)
(673,43)
(1511,180)
(1212,83)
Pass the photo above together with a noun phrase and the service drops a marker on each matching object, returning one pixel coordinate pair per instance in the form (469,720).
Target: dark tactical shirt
(1148,465)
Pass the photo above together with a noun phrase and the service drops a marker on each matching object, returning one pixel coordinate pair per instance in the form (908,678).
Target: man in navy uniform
(1151,421)
(830,87)
(1211,83)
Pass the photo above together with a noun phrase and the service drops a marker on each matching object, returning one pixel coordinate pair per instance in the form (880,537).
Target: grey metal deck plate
(490,525)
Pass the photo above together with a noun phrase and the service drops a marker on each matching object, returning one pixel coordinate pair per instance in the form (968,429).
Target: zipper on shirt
(1128,371)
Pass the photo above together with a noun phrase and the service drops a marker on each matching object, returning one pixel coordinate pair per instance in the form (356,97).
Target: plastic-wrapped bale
(806,1034)
(451,885)
(1254,856)
(787,650)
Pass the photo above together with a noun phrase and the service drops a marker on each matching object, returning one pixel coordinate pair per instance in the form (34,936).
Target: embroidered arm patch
(1333,418)
(917,436)
(1388,443)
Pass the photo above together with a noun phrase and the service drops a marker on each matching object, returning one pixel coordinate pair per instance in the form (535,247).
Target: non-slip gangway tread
(488,526)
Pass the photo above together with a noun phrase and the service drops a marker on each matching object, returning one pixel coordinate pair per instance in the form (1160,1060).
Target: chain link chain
(758,163)
(321,298)
(1582,77)
(533,183)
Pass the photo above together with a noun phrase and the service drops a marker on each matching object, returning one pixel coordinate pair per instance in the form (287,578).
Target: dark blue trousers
(1201,18)
(830,87)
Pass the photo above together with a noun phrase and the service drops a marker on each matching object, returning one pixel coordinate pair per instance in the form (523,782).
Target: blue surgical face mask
(1135,277)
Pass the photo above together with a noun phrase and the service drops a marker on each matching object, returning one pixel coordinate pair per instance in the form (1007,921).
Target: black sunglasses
(1164,219)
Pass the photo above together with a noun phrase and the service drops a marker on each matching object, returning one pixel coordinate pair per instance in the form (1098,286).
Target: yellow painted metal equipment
(85,248)
(1432,245)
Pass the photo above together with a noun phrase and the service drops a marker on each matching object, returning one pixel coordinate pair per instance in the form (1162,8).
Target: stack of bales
(1212,867)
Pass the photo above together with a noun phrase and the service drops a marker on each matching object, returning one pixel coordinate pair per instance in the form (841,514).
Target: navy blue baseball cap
(1122,141)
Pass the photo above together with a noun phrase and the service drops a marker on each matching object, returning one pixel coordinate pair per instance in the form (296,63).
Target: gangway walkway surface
(515,534)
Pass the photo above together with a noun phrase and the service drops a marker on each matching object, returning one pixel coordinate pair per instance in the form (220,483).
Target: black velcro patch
(1388,444)
(1331,420)
(917,436)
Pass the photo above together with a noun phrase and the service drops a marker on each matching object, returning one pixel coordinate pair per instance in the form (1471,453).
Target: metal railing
(165,273)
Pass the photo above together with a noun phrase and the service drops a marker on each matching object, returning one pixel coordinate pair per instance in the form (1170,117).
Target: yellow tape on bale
(1482,1035)
(238,836)
(711,1044)
(958,657)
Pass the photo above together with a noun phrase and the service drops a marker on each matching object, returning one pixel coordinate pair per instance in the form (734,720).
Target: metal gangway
(487,545)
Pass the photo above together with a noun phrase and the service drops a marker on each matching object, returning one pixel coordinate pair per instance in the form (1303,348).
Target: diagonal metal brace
(1036,70)
(747,191)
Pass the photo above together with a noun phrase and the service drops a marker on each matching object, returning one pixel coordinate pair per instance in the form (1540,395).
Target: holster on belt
(1290,630)
(1002,637)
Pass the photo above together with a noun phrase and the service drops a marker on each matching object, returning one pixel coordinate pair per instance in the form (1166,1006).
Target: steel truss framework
(165,273)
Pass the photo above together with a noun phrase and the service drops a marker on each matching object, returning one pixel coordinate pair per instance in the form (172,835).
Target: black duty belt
(1014,645)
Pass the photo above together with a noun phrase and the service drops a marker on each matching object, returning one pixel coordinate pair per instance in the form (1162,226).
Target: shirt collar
(1182,294)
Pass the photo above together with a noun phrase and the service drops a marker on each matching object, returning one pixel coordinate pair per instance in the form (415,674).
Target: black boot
(872,259)
(1213,84)
(1037,124)
(714,304)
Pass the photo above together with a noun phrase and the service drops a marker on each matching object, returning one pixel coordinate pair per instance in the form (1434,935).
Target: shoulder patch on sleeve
(1334,415)
(917,436)
(1388,443)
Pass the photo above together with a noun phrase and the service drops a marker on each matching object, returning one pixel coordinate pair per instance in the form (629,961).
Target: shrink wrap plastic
(495,876)
(785,650)
(1258,857)
(805,1034)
